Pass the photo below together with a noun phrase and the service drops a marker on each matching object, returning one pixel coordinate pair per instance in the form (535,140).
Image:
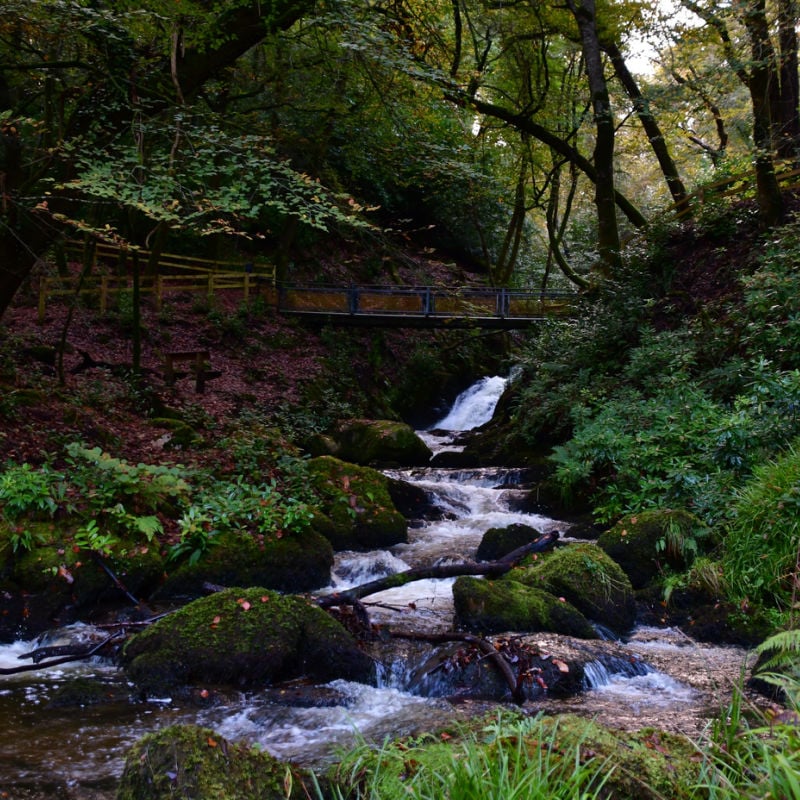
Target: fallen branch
(490,569)
(485,646)
(76,655)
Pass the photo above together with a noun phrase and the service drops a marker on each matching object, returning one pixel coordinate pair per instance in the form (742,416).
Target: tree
(84,90)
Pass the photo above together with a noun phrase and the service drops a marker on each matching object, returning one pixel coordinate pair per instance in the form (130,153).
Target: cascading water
(50,751)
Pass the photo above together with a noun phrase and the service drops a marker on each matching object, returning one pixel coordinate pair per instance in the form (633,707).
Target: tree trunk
(789,80)
(608,242)
(654,135)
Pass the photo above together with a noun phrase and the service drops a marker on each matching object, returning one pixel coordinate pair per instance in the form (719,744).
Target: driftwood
(70,653)
(490,569)
(484,645)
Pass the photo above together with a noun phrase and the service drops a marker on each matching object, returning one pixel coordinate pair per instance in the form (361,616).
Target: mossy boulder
(297,562)
(195,763)
(356,511)
(47,581)
(243,637)
(589,579)
(499,542)
(383,443)
(506,605)
(642,544)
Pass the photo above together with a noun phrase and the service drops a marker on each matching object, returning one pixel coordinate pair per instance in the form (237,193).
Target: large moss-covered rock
(47,581)
(356,510)
(243,637)
(642,544)
(193,763)
(297,562)
(499,542)
(589,579)
(506,605)
(380,442)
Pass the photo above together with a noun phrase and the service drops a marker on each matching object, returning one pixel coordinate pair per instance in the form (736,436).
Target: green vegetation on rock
(506,605)
(196,763)
(589,579)
(243,637)
(356,510)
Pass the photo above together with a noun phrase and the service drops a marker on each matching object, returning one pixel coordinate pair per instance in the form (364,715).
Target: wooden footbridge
(422,306)
(378,306)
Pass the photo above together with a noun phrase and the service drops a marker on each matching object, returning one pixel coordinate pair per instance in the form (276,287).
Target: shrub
(761,546)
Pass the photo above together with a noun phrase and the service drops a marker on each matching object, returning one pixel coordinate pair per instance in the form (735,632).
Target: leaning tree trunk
(651,127)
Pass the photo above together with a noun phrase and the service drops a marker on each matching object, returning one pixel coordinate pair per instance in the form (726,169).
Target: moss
(642,544)
(589,579)
(356,511)
(243,637)
(195,763)
(499,542)
(297,562)
(505,605)
(383,443)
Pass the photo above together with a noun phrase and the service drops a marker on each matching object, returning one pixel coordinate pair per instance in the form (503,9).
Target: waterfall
(474,406)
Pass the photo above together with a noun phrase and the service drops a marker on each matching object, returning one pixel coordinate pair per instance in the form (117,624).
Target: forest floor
(262,363)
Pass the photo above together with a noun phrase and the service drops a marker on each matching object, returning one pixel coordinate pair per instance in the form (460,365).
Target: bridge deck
(423,306)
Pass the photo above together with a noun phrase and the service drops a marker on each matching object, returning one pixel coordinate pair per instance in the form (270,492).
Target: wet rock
(49,582)
(296,562)
(381,443)
(499,542)
(195,763)
(356,510)
(243,637)
(589,579)
(506,605)
(413,502)
(643,543)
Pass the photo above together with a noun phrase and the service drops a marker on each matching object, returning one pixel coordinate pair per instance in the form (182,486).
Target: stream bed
(656,677)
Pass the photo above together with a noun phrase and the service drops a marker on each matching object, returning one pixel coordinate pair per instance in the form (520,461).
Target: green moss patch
(589,579)
(243,637)
(195,763)
(356,510)
(506,605)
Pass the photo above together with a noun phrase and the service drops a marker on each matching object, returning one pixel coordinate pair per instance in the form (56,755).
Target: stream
(655,677)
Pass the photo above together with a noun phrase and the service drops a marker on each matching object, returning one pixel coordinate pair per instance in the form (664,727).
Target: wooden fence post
(42,298)
(103,294)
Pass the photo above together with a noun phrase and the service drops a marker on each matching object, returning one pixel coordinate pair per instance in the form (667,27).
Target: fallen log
(491,569)
(78,653)
(484,645)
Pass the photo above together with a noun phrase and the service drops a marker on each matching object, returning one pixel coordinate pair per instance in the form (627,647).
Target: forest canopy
(519,130)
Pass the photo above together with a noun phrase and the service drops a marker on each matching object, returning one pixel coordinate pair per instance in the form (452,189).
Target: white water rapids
(50,752)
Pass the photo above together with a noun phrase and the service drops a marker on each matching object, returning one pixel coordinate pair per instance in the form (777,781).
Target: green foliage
(508,759)
(772,301)
(757,757)
(763,539)
(26,491)
(105,482)
(264,510)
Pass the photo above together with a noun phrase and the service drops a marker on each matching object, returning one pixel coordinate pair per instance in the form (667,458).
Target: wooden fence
(175,274)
